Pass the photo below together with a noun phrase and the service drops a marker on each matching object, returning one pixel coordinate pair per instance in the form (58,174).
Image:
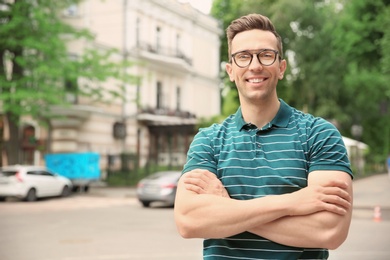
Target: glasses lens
(243,59)
(267,57)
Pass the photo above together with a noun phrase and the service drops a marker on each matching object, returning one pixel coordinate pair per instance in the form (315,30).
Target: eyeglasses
(266,57)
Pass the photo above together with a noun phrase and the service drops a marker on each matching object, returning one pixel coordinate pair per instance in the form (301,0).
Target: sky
(202,5)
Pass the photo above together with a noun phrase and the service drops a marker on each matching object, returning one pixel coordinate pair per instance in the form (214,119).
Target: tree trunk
(12,146)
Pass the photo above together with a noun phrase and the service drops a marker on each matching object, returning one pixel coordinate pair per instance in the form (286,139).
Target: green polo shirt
(255,162)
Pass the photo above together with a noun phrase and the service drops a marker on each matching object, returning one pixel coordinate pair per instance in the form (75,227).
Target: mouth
(256,80)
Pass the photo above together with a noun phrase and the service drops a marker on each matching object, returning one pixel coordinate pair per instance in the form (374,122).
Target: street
(85,227)
(110,224)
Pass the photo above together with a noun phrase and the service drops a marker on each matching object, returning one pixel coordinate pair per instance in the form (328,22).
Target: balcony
(164,116)
(163,55)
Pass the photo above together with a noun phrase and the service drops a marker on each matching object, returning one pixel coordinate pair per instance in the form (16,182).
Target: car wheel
(146,204)
(65,191)
(31,195)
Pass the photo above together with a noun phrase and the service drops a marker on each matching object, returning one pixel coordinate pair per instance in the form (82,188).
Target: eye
(267,54)
(243,55)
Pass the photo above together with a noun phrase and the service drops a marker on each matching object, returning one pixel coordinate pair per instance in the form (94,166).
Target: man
(270,182)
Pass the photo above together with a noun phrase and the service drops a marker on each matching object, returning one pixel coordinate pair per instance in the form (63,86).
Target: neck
(260,114)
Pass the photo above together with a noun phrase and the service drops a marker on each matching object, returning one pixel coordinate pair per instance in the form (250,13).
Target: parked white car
(32,182)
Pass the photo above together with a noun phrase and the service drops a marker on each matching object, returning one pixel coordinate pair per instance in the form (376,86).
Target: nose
(255,63)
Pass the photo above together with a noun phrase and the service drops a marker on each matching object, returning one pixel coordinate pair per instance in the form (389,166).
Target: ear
(229,71)
(282,69)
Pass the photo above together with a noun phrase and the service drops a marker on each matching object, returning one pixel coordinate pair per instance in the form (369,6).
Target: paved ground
(372,191)
(367,239)
(368,192)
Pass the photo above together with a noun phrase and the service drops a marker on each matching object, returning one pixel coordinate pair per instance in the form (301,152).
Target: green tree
(362,36)
(338,55)
(37,70)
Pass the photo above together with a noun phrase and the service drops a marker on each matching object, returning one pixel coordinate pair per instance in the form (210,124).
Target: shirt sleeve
(201,152)
(327,150)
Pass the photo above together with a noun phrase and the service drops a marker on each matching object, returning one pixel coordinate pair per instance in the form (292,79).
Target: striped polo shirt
(254,162)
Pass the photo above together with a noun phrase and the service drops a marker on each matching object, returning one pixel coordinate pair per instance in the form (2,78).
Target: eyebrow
(255,50)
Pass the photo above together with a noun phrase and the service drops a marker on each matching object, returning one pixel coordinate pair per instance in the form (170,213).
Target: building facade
(175,53)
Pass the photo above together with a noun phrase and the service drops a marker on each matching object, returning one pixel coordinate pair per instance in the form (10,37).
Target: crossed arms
(317,216)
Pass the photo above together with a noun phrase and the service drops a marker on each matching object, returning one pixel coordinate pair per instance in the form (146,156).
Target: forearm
(319,230)
(203,209)
(210,216)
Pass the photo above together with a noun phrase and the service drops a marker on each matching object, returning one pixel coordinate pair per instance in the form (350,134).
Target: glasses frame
(257,55)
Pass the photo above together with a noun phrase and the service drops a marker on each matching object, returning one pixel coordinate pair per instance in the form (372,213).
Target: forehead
(254,40)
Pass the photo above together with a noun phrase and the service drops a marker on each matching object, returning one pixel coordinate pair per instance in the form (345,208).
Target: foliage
(132,177)
(33,44)
(338,54)
(37,70)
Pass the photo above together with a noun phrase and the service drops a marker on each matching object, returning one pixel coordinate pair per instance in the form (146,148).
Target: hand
(204,182)
(331,196)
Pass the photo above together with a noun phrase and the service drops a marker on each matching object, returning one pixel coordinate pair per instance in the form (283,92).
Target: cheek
(236,75)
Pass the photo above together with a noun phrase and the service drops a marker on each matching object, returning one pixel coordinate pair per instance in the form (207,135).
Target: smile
(256,80)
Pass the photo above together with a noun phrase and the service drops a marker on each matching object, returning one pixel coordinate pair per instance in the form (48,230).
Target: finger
(339,192)
(210,175)
(207,176)
(195,181)
(335,209)
(338,201)
(194,188)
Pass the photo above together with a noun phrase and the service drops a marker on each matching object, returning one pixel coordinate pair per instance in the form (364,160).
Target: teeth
(256,80)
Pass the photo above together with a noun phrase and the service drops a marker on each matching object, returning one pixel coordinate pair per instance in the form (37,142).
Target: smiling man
(270,182)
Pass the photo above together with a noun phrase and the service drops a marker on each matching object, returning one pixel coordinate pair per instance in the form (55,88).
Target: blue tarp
(75,165)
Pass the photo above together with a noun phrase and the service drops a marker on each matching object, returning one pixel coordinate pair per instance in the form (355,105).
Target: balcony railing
(166,112)
(164,51)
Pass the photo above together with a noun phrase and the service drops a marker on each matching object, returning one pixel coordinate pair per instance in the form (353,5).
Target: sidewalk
(372,191)
(102,190)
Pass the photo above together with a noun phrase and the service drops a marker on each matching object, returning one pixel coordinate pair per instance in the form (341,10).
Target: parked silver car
(160,186)
(32,182)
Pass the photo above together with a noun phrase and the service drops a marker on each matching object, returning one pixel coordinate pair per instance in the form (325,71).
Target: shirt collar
(280,120)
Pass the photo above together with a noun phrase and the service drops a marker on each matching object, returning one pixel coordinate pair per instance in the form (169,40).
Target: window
(159,95)
(138,95)
(70,84)
(178,40)
(137,32)
(178,98)
(45,173)
(33,173)
(72,11)
(158,39)
(71,91)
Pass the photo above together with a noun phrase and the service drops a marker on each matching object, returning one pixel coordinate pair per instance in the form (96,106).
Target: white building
(176,50)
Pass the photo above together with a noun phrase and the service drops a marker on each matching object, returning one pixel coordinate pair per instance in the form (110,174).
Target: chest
(260,163)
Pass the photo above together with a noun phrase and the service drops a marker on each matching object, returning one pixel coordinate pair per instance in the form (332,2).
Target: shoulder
(311,124)
(218,129)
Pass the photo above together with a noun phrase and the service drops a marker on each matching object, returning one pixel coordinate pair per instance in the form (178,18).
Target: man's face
(255,82)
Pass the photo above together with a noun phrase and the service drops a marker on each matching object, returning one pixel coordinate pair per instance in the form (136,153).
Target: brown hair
(251,22)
